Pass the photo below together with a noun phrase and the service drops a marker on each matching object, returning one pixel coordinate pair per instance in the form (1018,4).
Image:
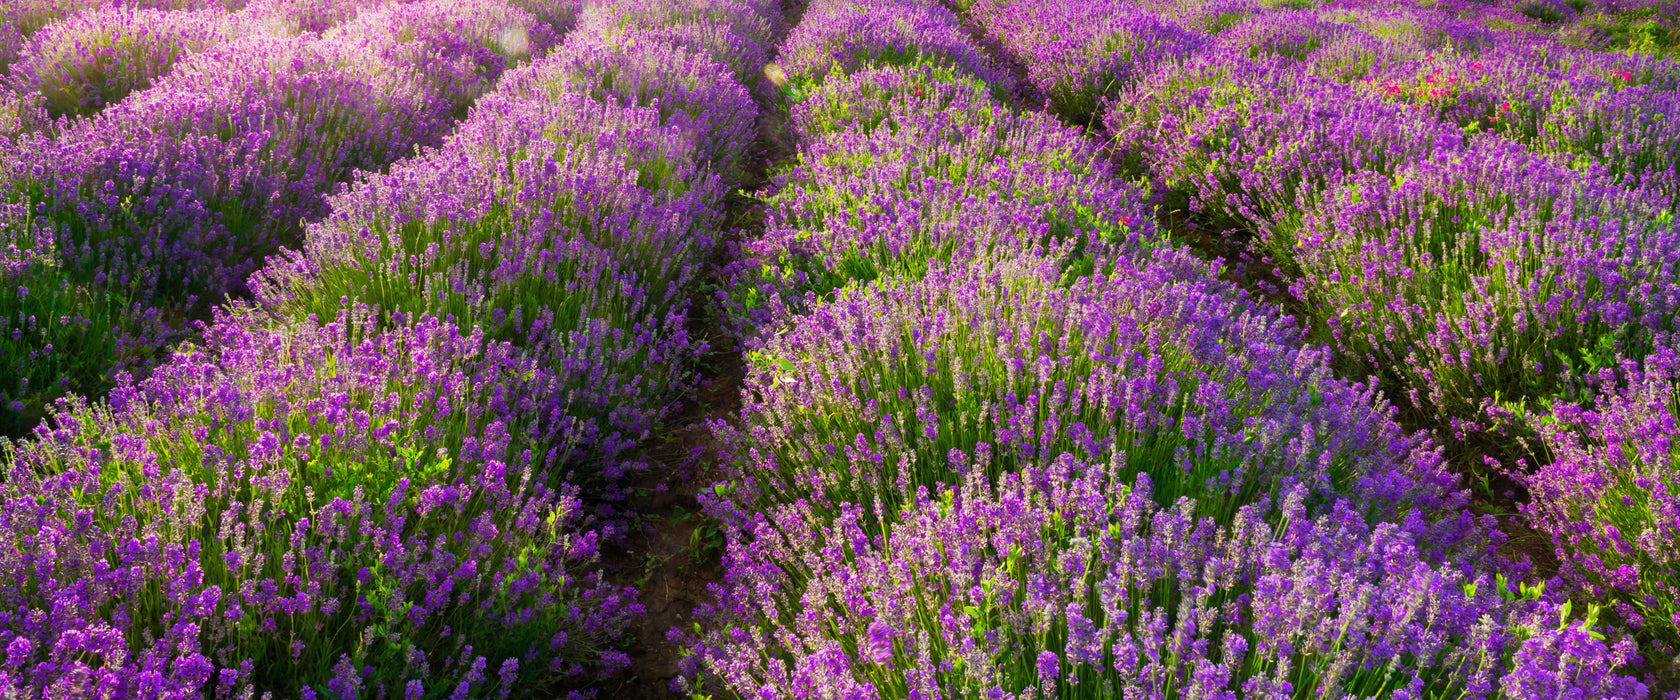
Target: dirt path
(677,554)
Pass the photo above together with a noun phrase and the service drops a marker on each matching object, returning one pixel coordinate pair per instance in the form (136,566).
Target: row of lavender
(1466,207)
(1001,439)
(122,226)
(391,472)
(85,54)
(90,55)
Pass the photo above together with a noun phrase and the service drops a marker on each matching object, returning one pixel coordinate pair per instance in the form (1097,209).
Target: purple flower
(1048,666)
(880,643)
(1439,275)
(887,184)
(287,540)
(18,652)
(1569,661)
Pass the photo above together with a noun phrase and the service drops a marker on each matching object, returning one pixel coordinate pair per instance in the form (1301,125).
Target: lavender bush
(560,16)
(1592,110)
(1358,56)
(1078,55)
(883,96)
(1067,581)
(143,212)
(29,16)
(315,509)
(691,92)
(384,503)
(295,17)
(1475,280)
(1291,34)
(847,35)
(567,215)
(926,494)
(460,48)
(1387,37)
(1610,500)
(237,146)
(11,43)
(58,335)
(999,438)
(1257,141)
(96,58)
(1210,16)
(1417,28)
(1630,131)
(903,167)
(1151,367)
(736,33)
(531,224)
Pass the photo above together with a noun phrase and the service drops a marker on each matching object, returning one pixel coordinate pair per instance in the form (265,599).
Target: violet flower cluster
(1549,251)
(96,58)
(1000,436)
(1601,108)
(735,33)
(1482,281)
(900,167)
(1257,142)
(1068,581)
(28,16)
(685,86)
(327,506)
(11,43)
(296,17)
(460,48)
(1079,54)
(1610,500)
(1473,202)
(529,223)
(842,36)
(1151,367)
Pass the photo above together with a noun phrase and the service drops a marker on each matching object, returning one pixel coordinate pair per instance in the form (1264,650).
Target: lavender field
(840,349)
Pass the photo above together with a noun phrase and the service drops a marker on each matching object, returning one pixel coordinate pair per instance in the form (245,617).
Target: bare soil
(676,554)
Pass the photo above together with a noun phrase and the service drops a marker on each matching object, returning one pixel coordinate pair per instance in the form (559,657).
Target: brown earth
(677,553)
